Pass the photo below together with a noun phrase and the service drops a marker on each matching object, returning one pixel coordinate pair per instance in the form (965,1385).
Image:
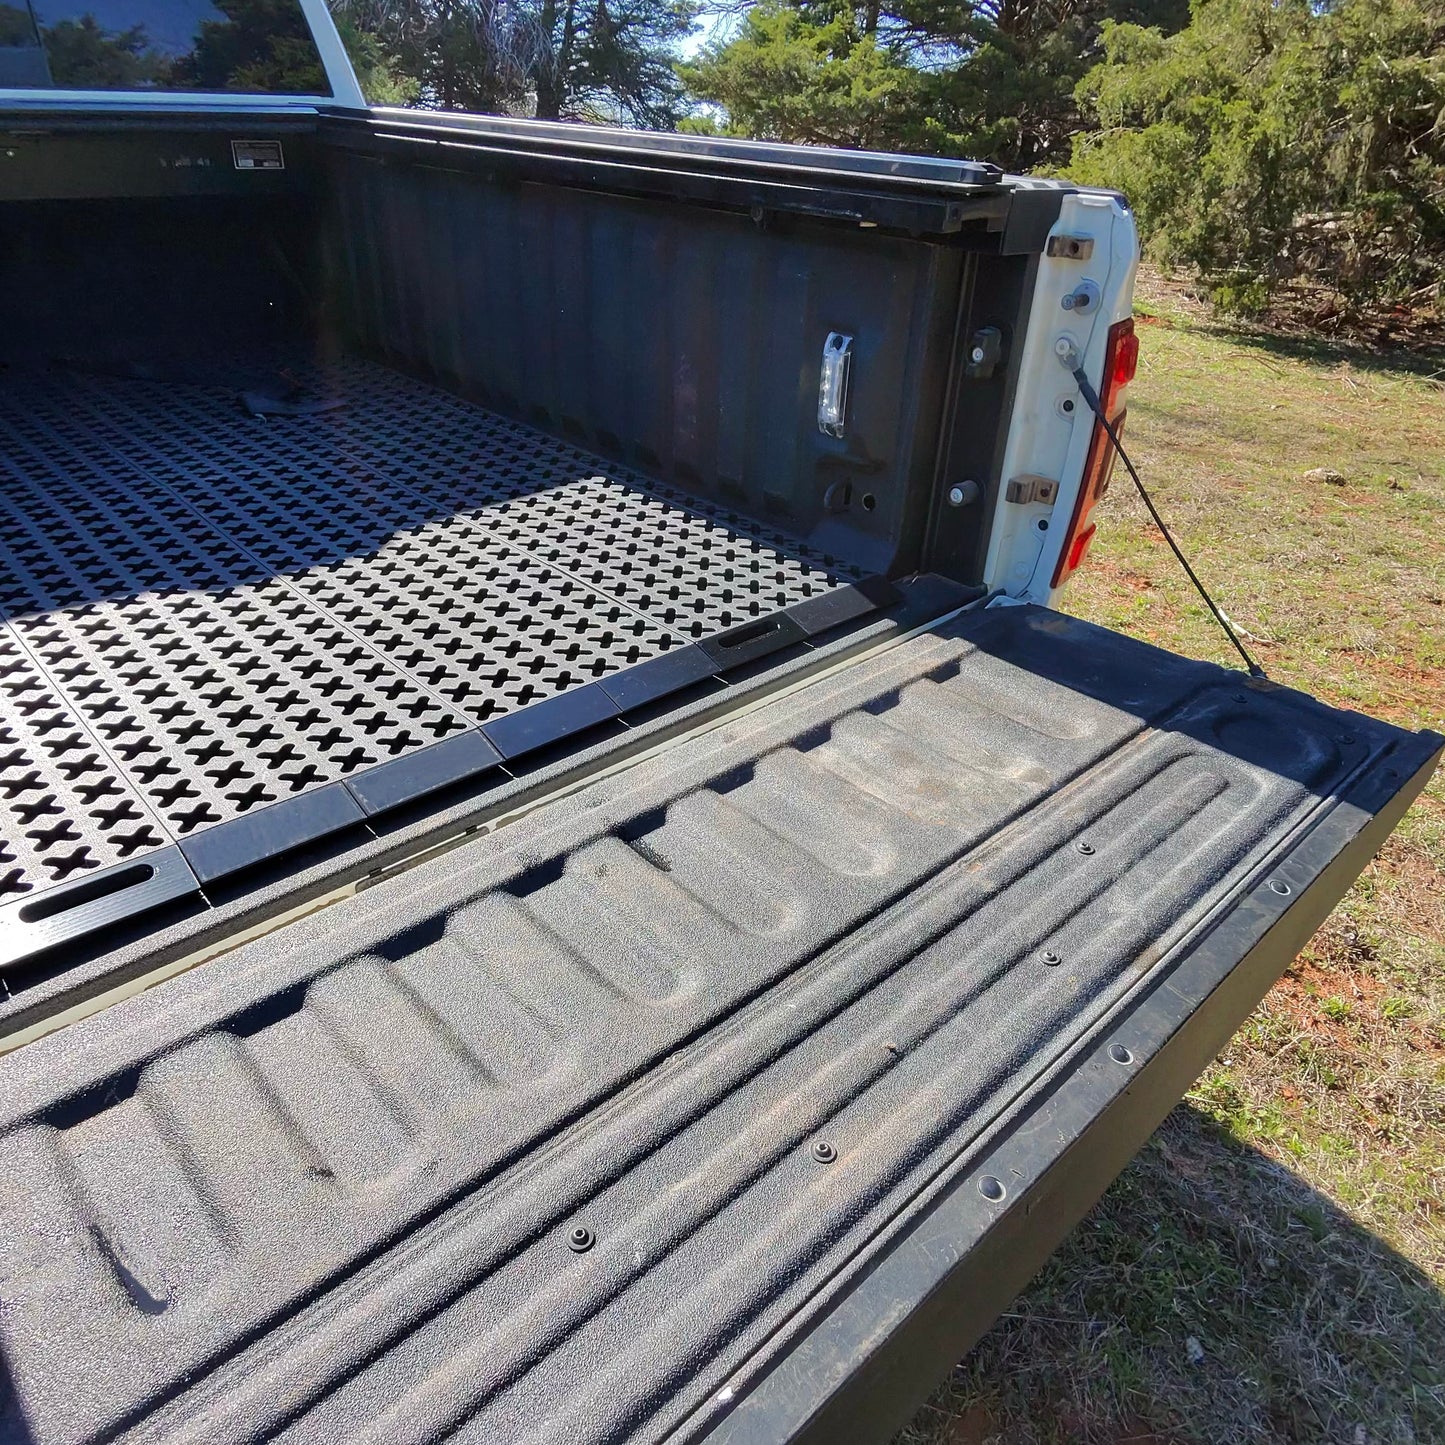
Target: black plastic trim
(840,605)
(947,174)
(550,721)
(917,208)
(439,765)
(1031,217)
(98,962)
(752,640)
(106,896)
(254,837)
(658,677)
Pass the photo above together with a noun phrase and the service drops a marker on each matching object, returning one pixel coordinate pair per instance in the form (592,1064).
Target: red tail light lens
(1079,547)
(1124,362)
(1121,362)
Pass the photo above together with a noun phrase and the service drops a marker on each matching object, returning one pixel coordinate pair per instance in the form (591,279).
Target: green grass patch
(1272,1266)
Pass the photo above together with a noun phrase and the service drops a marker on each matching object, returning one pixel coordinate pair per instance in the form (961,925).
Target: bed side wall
(682,340)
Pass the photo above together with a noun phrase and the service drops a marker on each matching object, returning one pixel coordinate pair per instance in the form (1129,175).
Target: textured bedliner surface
(325,1188)
(204,613)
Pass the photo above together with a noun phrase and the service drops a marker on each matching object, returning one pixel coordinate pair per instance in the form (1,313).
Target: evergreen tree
(260,45)
(557,59)
(1281,137)
(988,78)
(81,53)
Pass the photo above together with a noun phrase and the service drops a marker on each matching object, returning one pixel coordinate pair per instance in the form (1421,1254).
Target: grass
(1272,1266)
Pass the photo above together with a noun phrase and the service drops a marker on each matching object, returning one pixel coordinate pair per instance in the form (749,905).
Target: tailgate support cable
(1092,397)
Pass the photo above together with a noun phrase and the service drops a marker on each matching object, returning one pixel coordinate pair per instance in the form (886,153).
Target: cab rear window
(259,47)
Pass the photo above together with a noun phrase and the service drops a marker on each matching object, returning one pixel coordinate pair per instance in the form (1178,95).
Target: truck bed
(730,1095)
(221,634)
(497,946)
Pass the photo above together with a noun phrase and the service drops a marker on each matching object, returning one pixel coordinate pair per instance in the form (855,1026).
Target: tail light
(1121,361)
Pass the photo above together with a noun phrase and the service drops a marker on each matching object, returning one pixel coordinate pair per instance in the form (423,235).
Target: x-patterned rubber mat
(223,634)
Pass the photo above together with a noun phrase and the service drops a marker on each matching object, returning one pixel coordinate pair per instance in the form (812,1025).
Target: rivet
(581,1239)
(992,1189)
(824,1152)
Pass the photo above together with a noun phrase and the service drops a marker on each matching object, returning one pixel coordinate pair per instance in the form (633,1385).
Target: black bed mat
(223,635)
(566,1134)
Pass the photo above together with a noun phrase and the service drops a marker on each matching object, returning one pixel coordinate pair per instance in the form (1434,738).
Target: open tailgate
(729,1096)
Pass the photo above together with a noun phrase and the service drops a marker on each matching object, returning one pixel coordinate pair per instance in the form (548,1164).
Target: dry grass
(1272,1266)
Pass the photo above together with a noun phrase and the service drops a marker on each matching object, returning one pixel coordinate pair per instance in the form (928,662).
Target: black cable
(1092,397)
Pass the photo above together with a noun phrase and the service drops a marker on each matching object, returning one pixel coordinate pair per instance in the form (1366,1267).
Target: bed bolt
(992,1189)
(581,1239)
(1278,885)
(1347,738)
(824,1152)
(1120,1054)
(1087,849)
(1051,958)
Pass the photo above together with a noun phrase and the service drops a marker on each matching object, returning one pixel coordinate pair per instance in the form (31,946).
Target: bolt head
(824,1152)
(977,354)
(581,1239)
(1067,303)
(955,496)
(1063,346)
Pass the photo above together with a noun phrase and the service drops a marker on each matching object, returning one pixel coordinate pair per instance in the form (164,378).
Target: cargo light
(1121,362)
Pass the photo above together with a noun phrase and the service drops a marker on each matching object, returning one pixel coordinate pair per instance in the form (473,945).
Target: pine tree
(557,59)
(988,78)
(1279,138)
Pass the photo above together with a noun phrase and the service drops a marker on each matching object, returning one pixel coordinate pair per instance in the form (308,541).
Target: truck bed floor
(204,613)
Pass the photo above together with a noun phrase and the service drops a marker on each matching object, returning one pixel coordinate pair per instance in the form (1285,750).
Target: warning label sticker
(258,155)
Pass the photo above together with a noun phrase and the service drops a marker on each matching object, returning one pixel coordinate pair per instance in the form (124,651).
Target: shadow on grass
(1211,1295)
(1396,361)
(1428,362)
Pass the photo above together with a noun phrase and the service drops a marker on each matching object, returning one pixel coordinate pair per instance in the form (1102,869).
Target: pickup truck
(562,878)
